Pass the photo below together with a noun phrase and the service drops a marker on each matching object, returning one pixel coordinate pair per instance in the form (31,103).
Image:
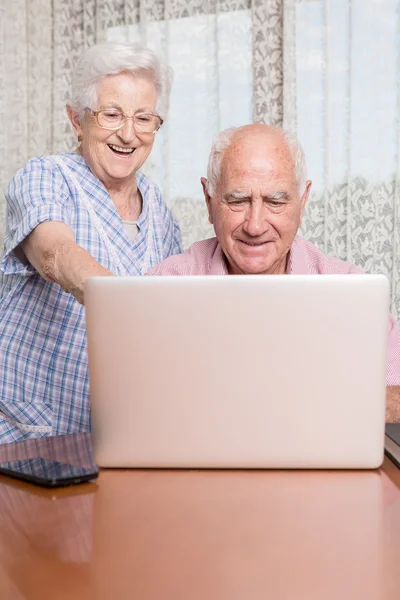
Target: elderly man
(255,194)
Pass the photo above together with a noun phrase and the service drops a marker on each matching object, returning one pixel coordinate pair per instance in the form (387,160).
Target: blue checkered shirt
(44,388)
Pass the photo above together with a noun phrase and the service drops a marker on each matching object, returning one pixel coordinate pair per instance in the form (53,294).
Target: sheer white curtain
(211,56)
(25,80)
(341,95)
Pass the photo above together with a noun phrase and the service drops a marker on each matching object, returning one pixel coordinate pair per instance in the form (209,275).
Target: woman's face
(114,156)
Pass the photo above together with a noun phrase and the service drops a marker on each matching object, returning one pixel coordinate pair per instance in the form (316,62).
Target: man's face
(256,209)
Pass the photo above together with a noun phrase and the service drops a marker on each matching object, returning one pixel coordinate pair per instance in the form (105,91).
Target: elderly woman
(72,216)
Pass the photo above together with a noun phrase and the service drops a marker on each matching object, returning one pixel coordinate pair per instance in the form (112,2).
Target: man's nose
(255,222)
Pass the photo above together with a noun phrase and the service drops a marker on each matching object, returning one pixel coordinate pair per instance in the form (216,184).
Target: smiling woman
(72,216)
(114,144)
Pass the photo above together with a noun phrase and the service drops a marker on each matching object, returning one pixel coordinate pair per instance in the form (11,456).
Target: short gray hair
(221,143)
(110,58)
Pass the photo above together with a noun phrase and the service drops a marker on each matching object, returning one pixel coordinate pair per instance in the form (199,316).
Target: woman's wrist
(73,265)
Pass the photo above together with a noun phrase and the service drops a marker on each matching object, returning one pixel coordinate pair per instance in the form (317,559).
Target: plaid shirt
(206,258)
(44,388)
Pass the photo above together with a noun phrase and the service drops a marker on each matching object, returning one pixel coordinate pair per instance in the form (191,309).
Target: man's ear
(74,118)
(207,198)
(304,197)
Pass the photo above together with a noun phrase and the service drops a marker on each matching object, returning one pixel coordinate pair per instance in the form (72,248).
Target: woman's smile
(119,150)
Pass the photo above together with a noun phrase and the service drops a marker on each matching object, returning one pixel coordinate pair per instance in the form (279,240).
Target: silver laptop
(238,371)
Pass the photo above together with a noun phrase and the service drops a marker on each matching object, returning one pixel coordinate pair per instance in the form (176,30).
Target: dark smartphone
(48,473)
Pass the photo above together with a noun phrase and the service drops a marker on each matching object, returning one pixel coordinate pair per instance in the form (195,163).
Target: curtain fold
(268,61)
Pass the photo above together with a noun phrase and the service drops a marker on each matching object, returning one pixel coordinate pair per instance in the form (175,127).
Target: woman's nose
(127,133)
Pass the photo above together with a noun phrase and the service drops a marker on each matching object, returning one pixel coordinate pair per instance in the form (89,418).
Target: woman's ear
(207,198)
(75,122)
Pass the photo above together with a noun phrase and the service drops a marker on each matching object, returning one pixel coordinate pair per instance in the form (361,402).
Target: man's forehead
(253,171)
(257,154)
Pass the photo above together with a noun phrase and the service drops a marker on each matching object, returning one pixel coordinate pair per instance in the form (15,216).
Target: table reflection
(45,534)
(284,535)
(239,535)
(75,449)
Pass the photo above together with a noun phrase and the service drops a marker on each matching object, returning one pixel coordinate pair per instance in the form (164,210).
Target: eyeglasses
(113,119)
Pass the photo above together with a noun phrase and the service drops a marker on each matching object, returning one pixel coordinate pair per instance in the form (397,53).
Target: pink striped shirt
(206,258)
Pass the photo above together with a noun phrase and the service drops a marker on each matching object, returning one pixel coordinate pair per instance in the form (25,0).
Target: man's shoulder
(306,257)
(195,261)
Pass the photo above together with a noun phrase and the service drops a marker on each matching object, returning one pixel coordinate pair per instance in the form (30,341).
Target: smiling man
(255,193)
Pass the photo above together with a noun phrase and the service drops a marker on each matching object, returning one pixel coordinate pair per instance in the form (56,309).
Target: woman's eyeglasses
(113,119)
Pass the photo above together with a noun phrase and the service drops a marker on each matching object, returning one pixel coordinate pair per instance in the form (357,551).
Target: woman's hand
(52,250)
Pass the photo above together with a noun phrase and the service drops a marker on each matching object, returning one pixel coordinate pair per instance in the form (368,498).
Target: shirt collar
(218,262)
(297,263)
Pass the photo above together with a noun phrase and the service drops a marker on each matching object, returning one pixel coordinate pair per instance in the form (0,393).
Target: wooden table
(203,535)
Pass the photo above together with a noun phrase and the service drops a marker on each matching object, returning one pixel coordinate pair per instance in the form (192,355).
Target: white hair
(221,143)
(110,58)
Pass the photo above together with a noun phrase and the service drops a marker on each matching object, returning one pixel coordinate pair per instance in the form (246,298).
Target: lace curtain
(341,97)
(314,69)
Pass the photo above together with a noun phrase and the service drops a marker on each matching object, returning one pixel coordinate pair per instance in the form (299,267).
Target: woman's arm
(52,250)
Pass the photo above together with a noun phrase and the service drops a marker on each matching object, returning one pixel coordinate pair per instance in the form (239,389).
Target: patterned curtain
(354,216)
(341,98)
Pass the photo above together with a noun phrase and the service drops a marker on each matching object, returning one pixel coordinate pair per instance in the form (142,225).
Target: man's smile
(254,244)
